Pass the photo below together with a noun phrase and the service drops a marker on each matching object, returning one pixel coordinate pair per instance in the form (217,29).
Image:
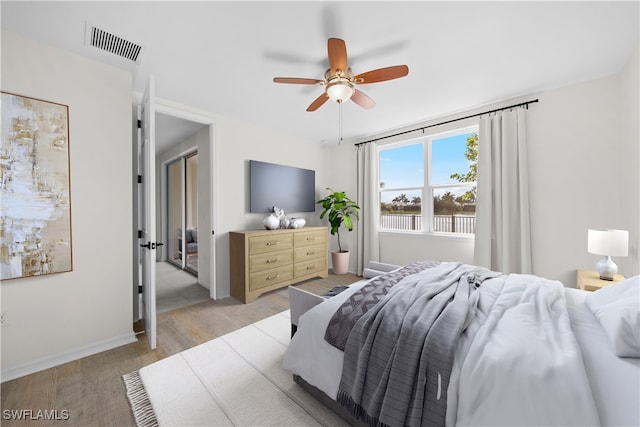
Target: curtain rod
(450,121)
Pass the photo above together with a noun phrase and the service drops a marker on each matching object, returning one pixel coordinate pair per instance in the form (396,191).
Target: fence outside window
(441,223)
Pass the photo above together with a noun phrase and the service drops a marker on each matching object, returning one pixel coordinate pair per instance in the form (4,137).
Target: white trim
(213,168)
(66,356)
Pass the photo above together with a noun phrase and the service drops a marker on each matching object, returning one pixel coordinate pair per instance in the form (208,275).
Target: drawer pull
(311,238)
(311,267)
(269,261)
(311,252)
(273,243)
(273,277)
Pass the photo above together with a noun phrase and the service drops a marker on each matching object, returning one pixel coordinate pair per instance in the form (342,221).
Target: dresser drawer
(277,242)
(307,238)
(263,279)
(306,253)
(269,260)
(310,267)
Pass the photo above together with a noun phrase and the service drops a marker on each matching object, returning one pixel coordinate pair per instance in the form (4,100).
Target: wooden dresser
(263,260)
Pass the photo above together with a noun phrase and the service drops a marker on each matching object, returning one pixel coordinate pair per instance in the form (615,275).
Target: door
(148,244)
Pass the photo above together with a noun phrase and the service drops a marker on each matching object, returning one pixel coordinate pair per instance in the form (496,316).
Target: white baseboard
(66,356)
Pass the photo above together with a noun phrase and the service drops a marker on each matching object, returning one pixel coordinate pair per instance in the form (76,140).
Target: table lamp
(609,243)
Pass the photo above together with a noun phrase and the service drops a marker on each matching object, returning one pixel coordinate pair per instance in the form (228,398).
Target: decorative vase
(271,222)
(340,262)
(284,222)
(297,223)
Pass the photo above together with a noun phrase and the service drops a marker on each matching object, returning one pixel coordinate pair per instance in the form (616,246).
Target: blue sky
(403,166)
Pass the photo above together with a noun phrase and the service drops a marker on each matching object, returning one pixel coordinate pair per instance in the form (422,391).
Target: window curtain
(366,228)
(503,231)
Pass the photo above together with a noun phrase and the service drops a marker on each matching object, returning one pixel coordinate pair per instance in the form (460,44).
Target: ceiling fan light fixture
(340,90)
(340,82)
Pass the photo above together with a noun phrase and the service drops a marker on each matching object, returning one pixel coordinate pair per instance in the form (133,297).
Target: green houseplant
(339,209)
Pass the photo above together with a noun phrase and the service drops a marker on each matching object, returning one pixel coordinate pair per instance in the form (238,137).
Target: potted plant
(338,208)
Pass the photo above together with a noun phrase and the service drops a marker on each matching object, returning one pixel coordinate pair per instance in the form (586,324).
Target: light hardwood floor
(91,389)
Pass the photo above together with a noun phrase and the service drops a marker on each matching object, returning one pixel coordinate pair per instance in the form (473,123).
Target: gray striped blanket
(399,354)
(359,303)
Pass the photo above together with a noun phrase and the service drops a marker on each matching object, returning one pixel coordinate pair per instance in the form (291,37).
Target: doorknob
(150,245)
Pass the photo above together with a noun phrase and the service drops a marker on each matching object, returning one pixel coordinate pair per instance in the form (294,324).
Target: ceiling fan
(339,81)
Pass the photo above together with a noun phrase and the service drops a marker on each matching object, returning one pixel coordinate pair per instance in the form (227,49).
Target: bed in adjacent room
(435,343)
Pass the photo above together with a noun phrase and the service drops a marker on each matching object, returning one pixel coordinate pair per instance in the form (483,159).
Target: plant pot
(340,262)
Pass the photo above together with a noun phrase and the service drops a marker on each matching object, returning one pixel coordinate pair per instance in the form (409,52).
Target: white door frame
(173,111)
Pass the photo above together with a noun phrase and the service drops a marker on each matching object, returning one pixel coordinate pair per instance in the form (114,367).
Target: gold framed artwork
(35,202)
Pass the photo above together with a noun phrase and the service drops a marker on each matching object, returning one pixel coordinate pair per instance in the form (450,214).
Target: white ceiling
(221,57)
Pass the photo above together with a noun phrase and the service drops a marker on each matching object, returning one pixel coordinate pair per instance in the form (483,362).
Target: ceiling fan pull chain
(340,122)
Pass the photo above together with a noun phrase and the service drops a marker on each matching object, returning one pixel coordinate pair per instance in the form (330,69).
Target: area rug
(233,380)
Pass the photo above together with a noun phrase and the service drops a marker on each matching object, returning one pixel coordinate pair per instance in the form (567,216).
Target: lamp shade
(339,91)
(608,242)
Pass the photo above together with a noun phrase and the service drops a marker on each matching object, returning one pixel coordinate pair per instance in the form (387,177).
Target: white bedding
(518,362)
(615,381)
(309,355)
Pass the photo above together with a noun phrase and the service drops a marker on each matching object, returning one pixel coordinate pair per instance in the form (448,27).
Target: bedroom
(54,319)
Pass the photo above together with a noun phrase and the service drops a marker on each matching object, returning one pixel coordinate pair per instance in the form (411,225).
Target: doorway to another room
(165,132)
(183,172)
(177,275)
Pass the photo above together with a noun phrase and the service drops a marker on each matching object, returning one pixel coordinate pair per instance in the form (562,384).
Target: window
(429,185)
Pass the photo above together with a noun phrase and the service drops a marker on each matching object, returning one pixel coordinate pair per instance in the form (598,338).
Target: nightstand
(590,280)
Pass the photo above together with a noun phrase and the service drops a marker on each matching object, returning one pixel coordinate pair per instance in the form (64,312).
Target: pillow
(370,273)
(617,308)
(189,235)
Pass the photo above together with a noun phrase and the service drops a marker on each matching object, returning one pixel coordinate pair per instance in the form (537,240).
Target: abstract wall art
(35,204)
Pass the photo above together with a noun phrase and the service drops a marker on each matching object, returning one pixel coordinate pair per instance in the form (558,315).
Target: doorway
(173,126)
(179,213)
(177,282)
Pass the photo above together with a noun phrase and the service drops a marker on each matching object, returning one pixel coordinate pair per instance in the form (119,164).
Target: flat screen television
(290,188)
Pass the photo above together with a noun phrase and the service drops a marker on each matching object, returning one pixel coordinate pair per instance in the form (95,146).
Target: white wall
(236,144)
(205,186)
(630,117)
(60,317)
(584,162)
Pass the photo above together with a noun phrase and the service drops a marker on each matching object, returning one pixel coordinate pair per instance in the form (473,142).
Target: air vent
(112,43)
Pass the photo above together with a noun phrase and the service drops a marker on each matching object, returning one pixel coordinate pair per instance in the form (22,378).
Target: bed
(524,350)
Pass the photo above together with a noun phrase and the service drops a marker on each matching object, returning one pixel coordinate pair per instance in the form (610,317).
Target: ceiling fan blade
(337,51)
(318,102)
(362,99)
(382,74)
(297,80)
